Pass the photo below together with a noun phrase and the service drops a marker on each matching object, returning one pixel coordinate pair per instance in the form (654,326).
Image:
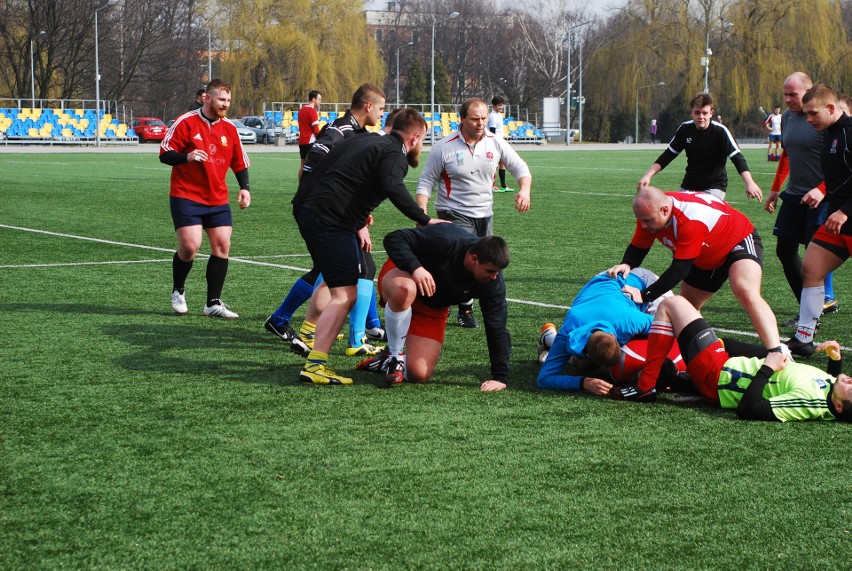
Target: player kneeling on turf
(430,269)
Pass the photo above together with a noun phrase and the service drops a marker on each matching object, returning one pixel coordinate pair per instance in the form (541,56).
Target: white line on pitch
(280,266)
(58,265)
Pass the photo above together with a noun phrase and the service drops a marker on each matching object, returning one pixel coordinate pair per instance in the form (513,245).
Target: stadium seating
(60,126)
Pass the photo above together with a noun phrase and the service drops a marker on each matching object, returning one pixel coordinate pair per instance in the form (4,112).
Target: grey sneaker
(219,310)
(179,302)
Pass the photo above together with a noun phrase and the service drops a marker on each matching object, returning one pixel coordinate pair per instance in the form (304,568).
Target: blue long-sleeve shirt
(599,306)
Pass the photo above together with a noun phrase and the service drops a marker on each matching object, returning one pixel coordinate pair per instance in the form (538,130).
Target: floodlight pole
(397,69)
(568,32)
(636,134)
(32,68)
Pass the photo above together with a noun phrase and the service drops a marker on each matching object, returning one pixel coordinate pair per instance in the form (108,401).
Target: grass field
(134,438)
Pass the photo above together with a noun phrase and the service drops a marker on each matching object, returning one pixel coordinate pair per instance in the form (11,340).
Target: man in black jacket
(357,176)
(430,269)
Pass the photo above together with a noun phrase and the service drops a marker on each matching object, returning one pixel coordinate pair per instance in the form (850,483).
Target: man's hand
(522,200)
(771,201)
(633,293)
(753,191)
(596,386)
(832,349)
(813,197)
(633,392)
(835,222)
(776,361)
(196,156)
(425,282)
(622,269)
(491,386)
(364,240)
(244,198)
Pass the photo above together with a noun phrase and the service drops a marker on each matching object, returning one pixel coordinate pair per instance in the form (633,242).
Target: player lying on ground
(601,319)
(769,388)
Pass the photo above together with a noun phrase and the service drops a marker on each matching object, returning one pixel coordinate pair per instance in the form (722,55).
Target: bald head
(652,208)
(795,86)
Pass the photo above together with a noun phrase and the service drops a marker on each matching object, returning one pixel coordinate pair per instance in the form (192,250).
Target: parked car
(149,129)
(247,136)
(266,132)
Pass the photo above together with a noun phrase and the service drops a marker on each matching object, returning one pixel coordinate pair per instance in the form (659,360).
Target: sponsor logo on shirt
(224,141)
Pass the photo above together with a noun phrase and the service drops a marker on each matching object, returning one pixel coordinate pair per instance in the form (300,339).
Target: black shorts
(303,150)
(188,213)
(335,251)
(751,248)
(798,221)
(477,226)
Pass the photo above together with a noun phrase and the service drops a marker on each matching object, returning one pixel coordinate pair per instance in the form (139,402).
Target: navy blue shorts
(774,138)
(334,251)
(189,213)
(751,248)
(798,221)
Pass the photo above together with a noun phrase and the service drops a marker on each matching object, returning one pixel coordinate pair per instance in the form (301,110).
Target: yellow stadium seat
(32,132)
(67,133)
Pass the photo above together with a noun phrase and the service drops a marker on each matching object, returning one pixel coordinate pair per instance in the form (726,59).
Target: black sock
(737,348)
(217,269)
(502,178)
(180,270)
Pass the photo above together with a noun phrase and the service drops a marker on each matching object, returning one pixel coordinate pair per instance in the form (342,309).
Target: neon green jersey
(797,392)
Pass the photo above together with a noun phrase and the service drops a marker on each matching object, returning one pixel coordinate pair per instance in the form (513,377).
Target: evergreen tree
(442,83)
(415,88)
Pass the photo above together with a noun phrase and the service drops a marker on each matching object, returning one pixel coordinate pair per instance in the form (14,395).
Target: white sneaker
(219,310)
(179,302)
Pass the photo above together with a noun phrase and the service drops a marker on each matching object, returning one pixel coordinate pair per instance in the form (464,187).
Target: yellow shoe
(322,375)
(365,350)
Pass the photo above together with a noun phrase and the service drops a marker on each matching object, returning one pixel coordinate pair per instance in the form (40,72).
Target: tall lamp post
(32,68)
(98,78)
(209,56)
(568,84)
(636,134)
(432,110)
(707,53)
(397,69)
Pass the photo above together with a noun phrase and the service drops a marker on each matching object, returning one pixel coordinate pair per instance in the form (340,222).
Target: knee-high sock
(298,294)
(502,178)
(660,342)
(358,313)
(180,270)
(396,326)
(373,320)
(217,269)
(829,286)
(809,312)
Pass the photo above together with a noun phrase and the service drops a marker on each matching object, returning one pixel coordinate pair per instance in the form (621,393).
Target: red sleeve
(781,173)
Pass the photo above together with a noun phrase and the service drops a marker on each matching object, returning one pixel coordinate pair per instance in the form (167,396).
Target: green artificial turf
(134,438)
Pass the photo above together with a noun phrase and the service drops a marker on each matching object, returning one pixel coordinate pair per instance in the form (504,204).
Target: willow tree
(278,50)
(773,39)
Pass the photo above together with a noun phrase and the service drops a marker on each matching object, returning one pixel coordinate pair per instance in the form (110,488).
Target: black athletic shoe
(800,348)
(283,332)
(301,346)
(394,371)
(374,364)
(830,306)
(466,319)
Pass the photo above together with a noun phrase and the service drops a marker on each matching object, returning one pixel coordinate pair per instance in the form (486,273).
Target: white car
(247,136)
